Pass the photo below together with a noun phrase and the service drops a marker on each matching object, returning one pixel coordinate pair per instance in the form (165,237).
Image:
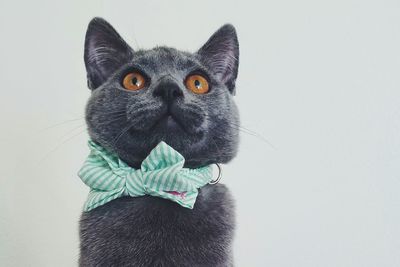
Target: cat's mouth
(175,122)
(169,122)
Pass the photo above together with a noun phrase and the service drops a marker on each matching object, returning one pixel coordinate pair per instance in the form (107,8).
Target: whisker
(59,124)
(113,119)
(217,147)
(58,146)
(247,131)
(123,131)
(102,112)
(72,130)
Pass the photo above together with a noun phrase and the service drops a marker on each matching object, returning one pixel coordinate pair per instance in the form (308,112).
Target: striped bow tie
(161,175)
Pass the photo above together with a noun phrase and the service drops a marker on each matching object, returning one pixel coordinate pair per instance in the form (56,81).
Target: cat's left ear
(221,54)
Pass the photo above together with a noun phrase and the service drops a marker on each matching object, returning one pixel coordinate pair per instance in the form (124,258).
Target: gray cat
(138,99)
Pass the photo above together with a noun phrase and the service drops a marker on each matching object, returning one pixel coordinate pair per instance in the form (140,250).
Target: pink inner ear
(176,193)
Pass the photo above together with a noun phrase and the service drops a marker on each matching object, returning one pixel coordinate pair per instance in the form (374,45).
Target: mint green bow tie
(161,175)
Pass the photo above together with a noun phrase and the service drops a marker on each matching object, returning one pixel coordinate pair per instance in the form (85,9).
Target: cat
(139,98)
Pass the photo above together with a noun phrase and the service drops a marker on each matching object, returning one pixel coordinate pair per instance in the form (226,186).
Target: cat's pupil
(135,81)
(197,83)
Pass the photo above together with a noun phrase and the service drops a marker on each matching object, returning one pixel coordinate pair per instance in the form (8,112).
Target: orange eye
(133,81)
(197,84)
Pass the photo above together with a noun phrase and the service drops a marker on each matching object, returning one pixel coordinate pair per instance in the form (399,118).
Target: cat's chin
(135,147)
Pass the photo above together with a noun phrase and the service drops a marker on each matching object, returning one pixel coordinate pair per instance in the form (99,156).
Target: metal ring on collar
(219,175)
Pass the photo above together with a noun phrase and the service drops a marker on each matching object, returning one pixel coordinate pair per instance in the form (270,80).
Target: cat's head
(140,98)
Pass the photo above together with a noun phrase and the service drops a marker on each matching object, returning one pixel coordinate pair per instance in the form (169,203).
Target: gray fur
(149,231)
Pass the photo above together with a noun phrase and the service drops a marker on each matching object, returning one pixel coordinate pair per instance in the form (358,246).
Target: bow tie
(161,175)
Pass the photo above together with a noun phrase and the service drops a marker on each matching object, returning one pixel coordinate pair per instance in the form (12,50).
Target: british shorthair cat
(139,98)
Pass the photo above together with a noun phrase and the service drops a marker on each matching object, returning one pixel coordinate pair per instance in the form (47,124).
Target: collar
(161,175)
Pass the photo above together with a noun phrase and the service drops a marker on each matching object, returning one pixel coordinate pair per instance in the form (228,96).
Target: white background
(318,79)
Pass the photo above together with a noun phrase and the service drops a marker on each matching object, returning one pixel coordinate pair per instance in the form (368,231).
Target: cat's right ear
(105,52)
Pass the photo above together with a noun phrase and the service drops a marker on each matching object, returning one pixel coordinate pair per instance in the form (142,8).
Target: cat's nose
(168,90)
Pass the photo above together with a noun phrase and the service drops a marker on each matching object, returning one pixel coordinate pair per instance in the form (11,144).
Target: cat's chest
(149,225)
(128,215)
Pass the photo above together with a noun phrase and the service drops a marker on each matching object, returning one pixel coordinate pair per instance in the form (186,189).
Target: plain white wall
(319,80)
